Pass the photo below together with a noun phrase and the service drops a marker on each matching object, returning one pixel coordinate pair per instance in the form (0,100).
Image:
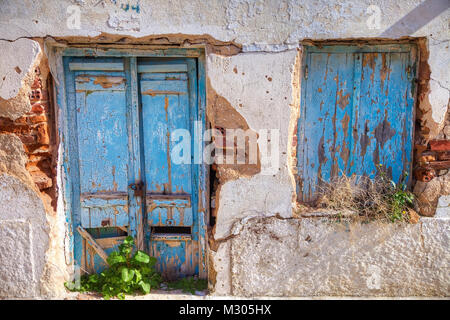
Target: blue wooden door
(96,92)
(122,112)
(168,94)
(356,112)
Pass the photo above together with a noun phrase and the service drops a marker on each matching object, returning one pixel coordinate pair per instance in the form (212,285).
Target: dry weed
(366,199)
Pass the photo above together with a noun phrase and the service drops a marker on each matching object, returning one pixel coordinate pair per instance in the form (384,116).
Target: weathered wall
(266,100)
(261,25)
(319,257)
(31,248)
(25,236)
(262,85)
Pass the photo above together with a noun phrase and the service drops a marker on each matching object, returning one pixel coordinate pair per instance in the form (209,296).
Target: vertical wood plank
(354,115)
(72,160)
(136,203)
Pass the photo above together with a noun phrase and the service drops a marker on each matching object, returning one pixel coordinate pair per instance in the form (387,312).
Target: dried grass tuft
(365,199)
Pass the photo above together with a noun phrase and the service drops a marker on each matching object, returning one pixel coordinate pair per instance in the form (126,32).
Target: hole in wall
(171,230)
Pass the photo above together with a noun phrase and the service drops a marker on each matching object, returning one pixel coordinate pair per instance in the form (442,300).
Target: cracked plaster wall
(336,259)
(269,32)
(31,232)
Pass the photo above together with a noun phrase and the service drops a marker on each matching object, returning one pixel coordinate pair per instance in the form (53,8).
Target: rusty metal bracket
(434,161)
(102,254)
(137,187)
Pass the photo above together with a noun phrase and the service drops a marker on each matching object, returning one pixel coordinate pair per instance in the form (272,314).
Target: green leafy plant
(188,284)
(127,273)
(397,196)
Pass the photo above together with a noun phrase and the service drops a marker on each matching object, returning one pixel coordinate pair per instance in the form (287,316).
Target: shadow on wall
(417,18)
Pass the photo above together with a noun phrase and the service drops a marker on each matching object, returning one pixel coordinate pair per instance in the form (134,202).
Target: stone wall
(31,249)
(322,257)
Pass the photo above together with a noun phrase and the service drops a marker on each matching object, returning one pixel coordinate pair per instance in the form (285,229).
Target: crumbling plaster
(32,254)
(259,86)
(19,58)
(24,231)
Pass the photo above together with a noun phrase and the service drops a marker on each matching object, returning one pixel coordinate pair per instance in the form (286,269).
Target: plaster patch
(440,99)
(443,207)
(17,275)
(25,228)
(260,195)
(13,159)
(221,262)
(16,60)
(318,257)
(121,21)
(428,194)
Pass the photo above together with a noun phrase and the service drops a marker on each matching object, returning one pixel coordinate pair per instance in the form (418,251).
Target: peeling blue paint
(357,112)
(112,143)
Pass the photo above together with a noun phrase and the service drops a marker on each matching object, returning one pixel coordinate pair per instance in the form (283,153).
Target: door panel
(103,155)
(109,240)
(122,112)
(174,256)
(165,108)
(386,113)
(356,113)
(328,108)
(102,138)
(102,147)
(165,103)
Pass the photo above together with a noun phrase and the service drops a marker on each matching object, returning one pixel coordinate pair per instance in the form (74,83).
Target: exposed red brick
(35,95)
(42,134)
(4,122)
(28,138)
(37,83)
(21,120)
(17,129)
(37,108)
(440,145)
(35,131)
(36,149)
(33,119)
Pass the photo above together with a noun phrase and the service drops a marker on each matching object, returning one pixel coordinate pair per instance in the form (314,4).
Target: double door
(124,112)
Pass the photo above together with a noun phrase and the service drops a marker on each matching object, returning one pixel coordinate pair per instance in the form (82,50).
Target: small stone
(413,216)
(447,132)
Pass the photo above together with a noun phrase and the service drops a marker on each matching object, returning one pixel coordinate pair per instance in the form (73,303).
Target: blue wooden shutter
(356,112)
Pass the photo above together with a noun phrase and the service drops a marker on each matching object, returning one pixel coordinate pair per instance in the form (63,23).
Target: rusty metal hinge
(137,187)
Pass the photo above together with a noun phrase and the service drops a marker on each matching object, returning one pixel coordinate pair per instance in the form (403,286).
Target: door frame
(66,160)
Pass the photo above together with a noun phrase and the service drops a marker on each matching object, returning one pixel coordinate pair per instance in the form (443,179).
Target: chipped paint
(105,164)
(360,118)
(161,92)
